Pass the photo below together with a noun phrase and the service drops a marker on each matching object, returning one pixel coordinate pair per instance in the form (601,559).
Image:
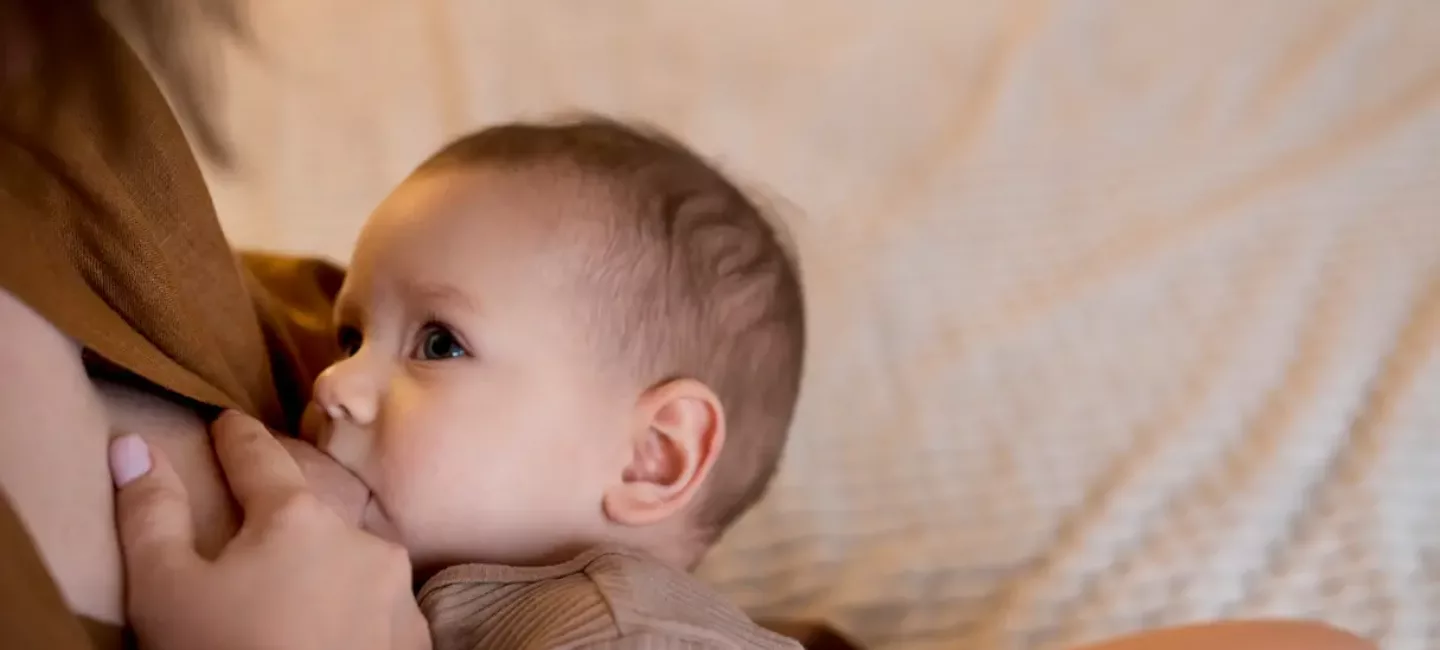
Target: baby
(572,354)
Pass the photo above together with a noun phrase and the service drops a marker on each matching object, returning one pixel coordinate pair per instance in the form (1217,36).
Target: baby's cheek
(415,481)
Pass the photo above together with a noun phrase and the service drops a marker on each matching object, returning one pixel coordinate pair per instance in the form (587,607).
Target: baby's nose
(346,405)
(347,394)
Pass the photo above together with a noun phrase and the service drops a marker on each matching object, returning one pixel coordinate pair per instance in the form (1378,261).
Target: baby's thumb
(152,509)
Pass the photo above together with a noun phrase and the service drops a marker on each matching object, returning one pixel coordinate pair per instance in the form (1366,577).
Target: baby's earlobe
(635,504)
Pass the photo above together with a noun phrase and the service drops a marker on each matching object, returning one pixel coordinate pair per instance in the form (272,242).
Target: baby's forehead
(546,207)
(543,228)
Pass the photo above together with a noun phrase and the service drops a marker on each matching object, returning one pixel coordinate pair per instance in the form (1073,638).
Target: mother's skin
(55,425)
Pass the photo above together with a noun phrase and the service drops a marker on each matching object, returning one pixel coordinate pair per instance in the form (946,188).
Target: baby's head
(560,336)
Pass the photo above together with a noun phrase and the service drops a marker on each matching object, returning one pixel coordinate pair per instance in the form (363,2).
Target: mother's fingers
(152,510)
(257,468)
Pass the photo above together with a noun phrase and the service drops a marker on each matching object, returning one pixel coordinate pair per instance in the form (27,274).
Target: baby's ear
(679,434)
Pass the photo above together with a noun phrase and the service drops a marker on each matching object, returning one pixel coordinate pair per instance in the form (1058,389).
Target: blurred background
(1124,313)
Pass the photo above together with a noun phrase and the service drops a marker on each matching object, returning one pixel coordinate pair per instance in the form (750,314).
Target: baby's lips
(340,489)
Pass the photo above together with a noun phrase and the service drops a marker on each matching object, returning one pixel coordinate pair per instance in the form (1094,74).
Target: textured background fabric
(1124,313)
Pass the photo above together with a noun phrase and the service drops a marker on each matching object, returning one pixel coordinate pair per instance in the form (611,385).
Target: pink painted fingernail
(129,459)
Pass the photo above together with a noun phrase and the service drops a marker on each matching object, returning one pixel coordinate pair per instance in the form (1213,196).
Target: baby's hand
(336,486)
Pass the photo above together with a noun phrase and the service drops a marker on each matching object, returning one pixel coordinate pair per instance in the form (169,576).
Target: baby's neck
(674,543)
(677,552)
(682,557)
(680,552)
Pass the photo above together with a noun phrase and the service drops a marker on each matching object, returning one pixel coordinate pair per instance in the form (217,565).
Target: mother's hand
(296,575)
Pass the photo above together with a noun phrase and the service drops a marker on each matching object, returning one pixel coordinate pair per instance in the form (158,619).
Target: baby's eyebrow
(443,294)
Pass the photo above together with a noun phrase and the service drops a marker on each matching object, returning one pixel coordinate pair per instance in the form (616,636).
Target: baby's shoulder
(603,598)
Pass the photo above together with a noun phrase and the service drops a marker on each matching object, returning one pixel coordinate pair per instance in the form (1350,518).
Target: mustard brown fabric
(120,249)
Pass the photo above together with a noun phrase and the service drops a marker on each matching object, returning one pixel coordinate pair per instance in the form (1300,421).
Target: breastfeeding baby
(572,354)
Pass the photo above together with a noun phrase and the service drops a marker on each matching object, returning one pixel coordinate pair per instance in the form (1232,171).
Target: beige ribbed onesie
(608,598)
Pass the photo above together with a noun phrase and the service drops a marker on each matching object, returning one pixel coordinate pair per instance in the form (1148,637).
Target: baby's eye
(349,339)
(436,343)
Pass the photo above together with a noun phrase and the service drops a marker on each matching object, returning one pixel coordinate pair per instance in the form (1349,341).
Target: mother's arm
(53,432)
(55,425)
